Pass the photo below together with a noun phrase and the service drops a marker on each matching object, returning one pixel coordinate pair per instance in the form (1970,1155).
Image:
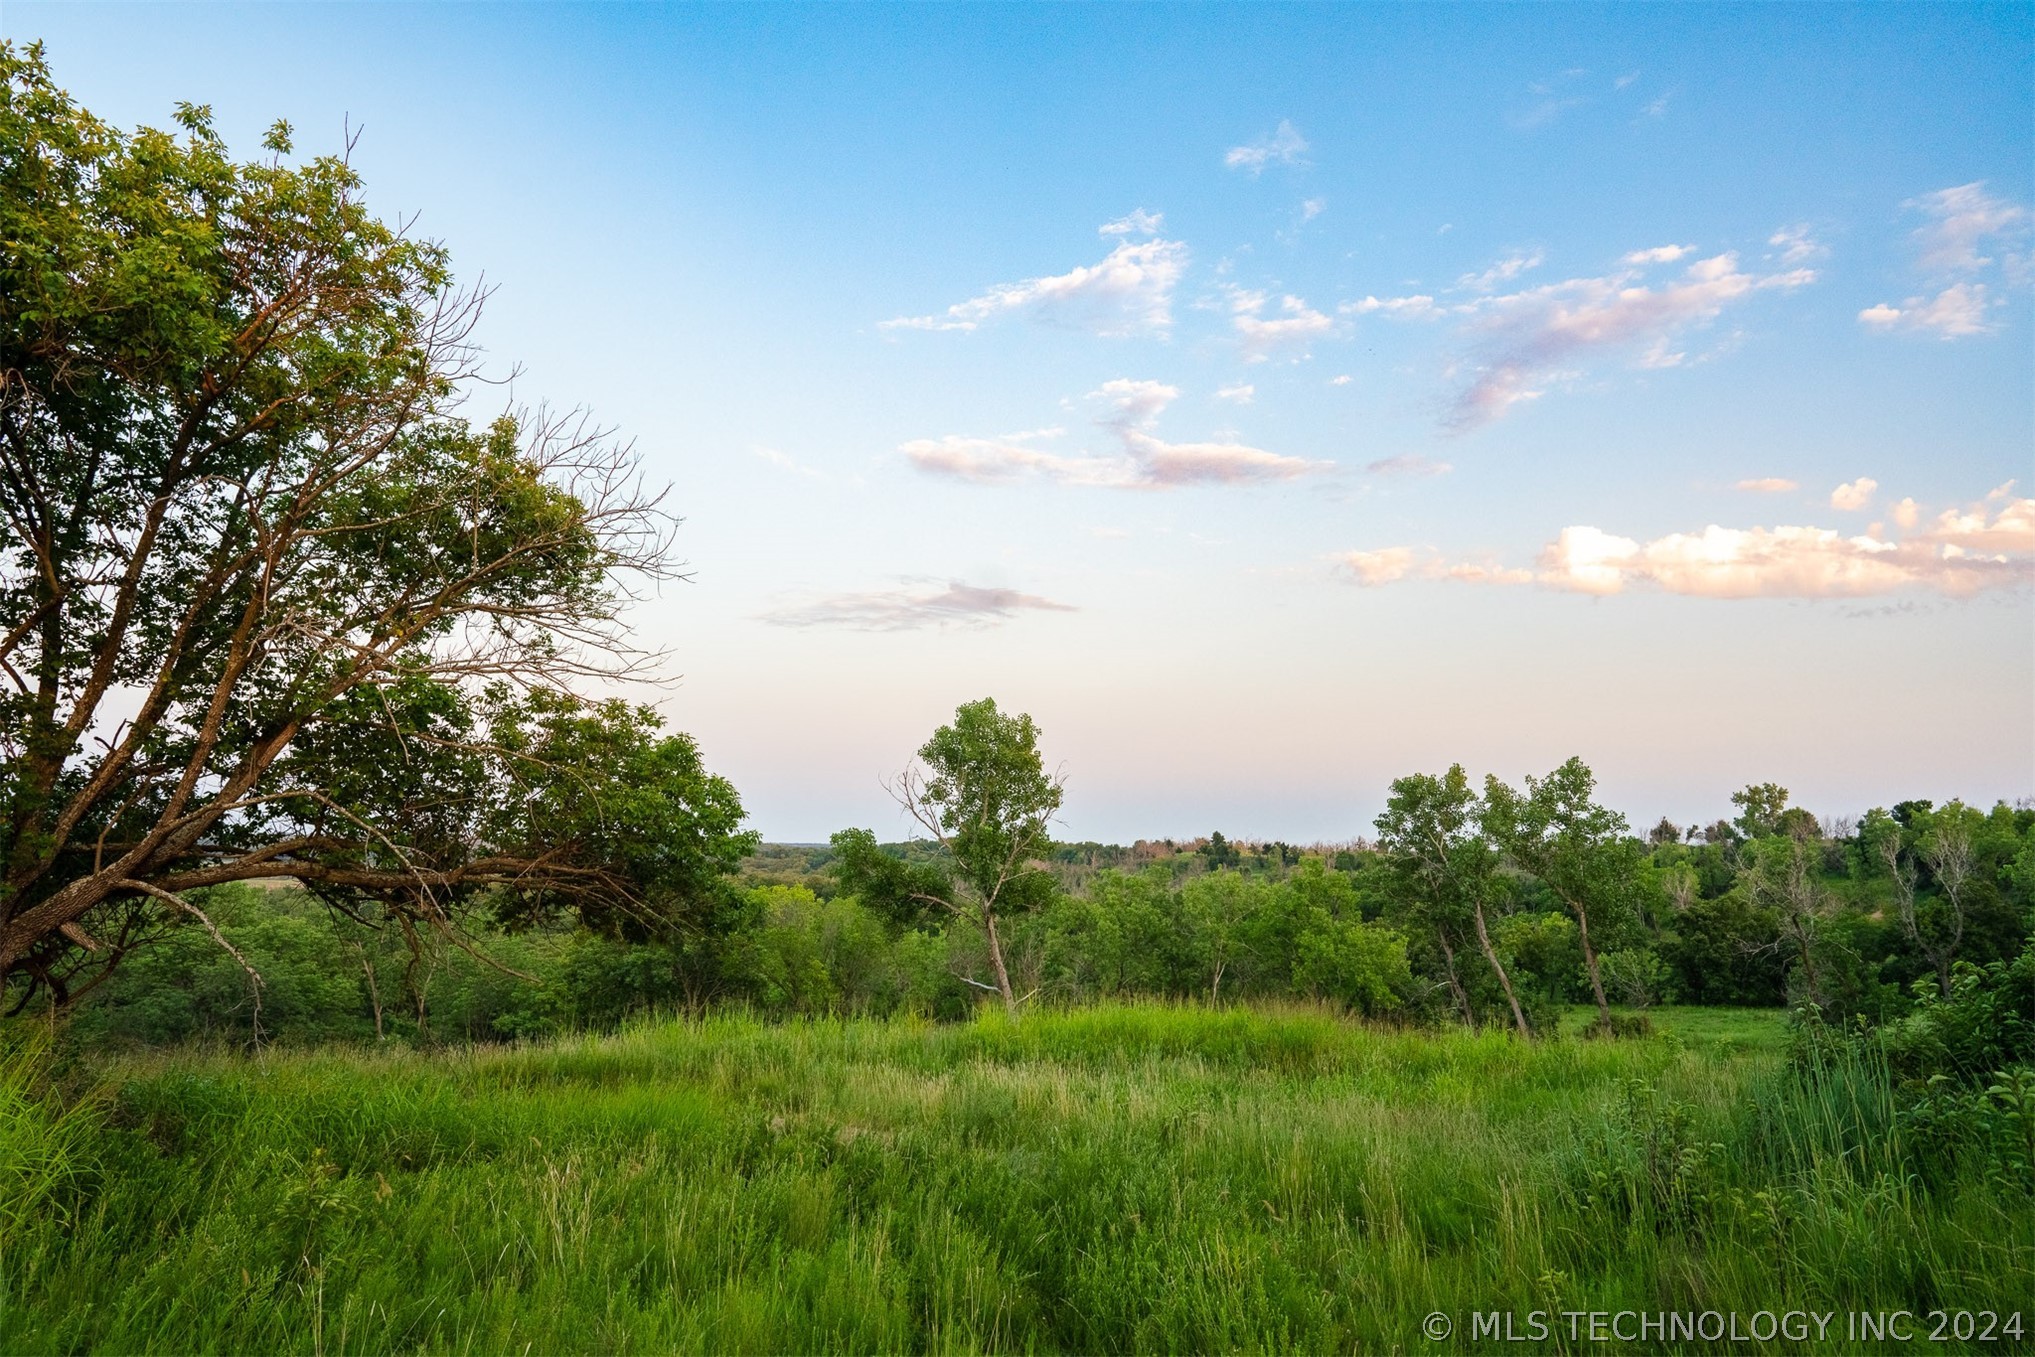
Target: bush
(1361,966)
(1986,1024)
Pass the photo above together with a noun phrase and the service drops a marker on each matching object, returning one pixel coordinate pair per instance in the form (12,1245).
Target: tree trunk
(374,993)
(996,962)
(1448,956)
(1590,959)
(1491,955)
(1809,980)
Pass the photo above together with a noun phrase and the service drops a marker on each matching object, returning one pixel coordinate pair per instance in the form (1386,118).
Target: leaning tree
(1579,848)
(270,608)
(1430,834)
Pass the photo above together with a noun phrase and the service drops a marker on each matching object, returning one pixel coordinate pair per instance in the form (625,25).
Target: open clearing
(1135,1177)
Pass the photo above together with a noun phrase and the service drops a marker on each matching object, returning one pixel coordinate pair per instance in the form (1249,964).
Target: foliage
(270,606)
(982,791)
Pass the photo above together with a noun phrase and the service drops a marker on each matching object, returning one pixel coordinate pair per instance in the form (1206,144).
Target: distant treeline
(1460,897)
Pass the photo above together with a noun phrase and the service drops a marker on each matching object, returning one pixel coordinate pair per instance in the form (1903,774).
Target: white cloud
(1243,393)
(1418,307)
(955,605)
(1341,379)
(1958,310)
(1504,271)
(1854,495)
(1768,485)
(1659,254)
(1294,326)
(1138,223)
(1962,221)
(1313,208)
(1408,464)
(1528,334)
(1136,404)
(1144,460)
(1284,147)
(1961,554)
(1962,218)
(1129,292)
(1659,106)
(1796,245)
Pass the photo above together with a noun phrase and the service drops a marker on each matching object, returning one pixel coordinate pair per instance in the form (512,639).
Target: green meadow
(1140,1177)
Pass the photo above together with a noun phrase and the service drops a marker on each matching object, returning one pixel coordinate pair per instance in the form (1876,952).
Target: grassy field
(1140,1177)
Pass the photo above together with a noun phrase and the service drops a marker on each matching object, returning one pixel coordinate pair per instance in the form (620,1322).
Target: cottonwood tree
(1781,877)
(1557,831)
(980,788)
(1945,842)
(270,607)
(1760,806)
(1431,834)
(1217,910)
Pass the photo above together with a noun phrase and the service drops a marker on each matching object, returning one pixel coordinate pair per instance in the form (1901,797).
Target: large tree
(981,789)
(269,606)
(1430,832)
(1581,849)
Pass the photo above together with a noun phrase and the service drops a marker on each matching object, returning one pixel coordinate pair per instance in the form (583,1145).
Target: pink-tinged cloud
(1408,464)
(1386,565)
(1853,496)
(955,605)
(1144,461)
(1526,335)
(1959,555)
(1768,485)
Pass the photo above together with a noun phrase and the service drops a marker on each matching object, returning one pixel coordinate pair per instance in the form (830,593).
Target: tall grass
(1139,1177)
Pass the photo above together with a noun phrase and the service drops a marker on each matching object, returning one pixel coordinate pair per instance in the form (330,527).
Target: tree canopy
(981,789)
(270,606)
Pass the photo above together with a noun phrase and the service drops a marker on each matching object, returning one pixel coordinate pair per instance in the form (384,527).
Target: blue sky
(1271,400)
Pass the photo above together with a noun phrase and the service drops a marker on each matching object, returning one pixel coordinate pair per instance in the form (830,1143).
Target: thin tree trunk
(1448,956)
(374,993)
(1590,957)
(1809,979)
(996,961)
(1491,955)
